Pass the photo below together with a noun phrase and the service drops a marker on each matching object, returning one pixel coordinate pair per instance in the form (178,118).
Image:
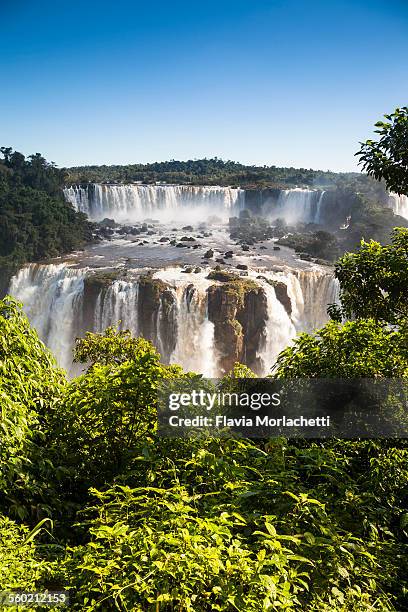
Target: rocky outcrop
(156,310)
(238,310)
(281,292)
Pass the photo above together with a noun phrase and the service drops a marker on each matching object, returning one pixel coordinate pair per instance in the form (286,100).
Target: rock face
(281,291)
(238,310)
(156,297)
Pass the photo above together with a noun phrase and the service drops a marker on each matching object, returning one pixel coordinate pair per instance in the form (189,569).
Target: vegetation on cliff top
(216,172)
(35,220)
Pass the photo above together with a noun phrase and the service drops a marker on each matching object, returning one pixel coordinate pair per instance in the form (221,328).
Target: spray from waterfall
(399,204)
(297,206)
(52,298)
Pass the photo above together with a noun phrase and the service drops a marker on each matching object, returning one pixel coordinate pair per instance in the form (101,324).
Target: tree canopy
(35,220)
(387,157)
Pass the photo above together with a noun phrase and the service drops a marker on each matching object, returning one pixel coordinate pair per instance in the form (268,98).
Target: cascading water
(118,306)
(399,204)
(136,202)
(195,343)
(52,298)
(279,331)
(297,206)
(309,292)
(318,290)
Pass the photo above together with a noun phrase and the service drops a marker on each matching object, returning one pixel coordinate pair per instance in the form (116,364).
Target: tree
(387,158)
(374,280)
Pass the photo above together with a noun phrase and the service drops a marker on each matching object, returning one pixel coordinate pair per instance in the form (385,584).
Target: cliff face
(237,306)
(256,198)
(238,310)
(156,310)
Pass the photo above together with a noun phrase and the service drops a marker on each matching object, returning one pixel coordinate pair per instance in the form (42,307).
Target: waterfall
(118,306)
(399,204)
(297,206)
(319,288)
(78,197)
(136,202)
(310,292)
(52,299)
(279,330)
(195,343)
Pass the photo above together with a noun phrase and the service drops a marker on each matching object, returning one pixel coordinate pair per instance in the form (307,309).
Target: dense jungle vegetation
(35,220)
(92,500)
(219,172)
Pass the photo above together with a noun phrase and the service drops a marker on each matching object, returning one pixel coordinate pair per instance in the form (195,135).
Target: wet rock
(276,248)
(197,270)
(222,276)
(108,223)
(238,309)
(188,228)
(209,254)
(241,267)
(181,245)
(221,261)
(188,270)
(173,242)
(187,239)
(164,239)
(245,247)
(228,254)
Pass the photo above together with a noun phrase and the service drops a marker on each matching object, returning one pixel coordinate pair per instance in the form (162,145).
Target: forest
(35,221)
(216,172)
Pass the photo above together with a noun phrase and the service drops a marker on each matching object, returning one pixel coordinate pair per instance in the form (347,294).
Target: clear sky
(283,82)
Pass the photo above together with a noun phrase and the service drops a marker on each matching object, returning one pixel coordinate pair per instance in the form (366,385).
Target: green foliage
(21,566)
(109,409)
(35,220)
(216,171)
(357,349)
(374,280)
(30,387)
(231,525)
(387,158)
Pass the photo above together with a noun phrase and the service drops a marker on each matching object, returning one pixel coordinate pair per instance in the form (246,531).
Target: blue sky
(284,82)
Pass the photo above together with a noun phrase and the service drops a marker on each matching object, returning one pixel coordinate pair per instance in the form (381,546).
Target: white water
(53,300)
(310,292)
(195,344)
(118,306)
(399,204)
(297,206)
(279,331)
(165,202)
